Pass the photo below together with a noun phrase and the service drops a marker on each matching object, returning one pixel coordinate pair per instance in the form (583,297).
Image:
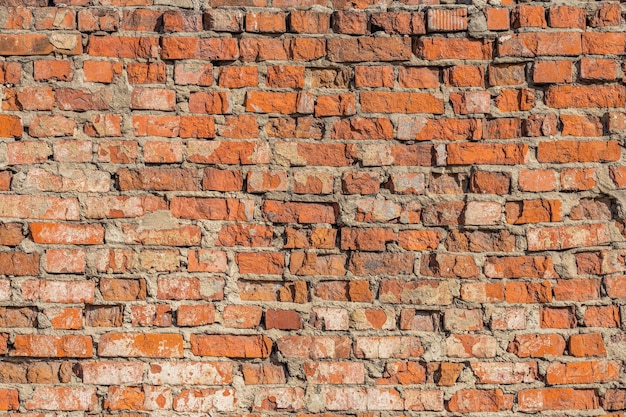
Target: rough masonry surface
(312,208)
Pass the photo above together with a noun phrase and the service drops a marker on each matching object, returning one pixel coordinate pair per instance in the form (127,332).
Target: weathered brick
(231,346)
(150,345)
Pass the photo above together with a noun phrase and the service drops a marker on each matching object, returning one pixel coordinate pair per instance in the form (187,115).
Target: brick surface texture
(312,208)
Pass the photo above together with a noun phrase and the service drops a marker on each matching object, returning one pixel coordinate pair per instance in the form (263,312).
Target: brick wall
(312,208)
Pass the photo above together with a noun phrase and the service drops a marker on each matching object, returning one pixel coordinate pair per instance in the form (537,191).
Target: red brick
(260,263)
(65,261)
(9,399)
(489,154)
(528,292)
(566,237)
(586,345)
(47,126)
(11,234)
(58,291)
(163,152)
(464,76)
(428,292)
(230,153)
(301,21)
(534,400)
(588,126)
(537,345)
(83,100)
(313,264)
(182,21)
(160,260)
(533,44)
(577,289)
(400,102)
(5,180)
(602,316)
(575,151)
(557,317)
(153,99)
(213,49)
(265,22)
(59,233)
(453,48)
(505,372)
(123,47)
(498,18)
(578,179)
(226,20)
(334,372)
(350,22)
(315,347)
(195,315)
(374,76)
(520,267)
(149,345)
(98,19)
(356,291)
(113,289)
(282,212)
(52,70)
(27,152)
(19,264)
(366,264)
(399,22)
(606,15)
(567,17)
(11,72)
(238,77)
(52,346)
(296,292)
(241,317)
(190,373)
(61,398)
(262,374)
(245,235)
(283,320)
(186,73)
(141,20)
(336,105)
(138,398)
(592,69)
(65,318)
(369,49)
(473,400)
(317,237)
(507,74)
(584,96)
(158,179)
(485,182)
(537,180)
(480,241)
(373,239)
(38,44)
(529,16)
(101,71)
(441,20)
(533,211)
(582,372)
(471,346)
(396,347)
(152,73)
(231,346)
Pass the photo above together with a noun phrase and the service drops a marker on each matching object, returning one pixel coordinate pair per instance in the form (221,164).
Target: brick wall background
(312,208)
